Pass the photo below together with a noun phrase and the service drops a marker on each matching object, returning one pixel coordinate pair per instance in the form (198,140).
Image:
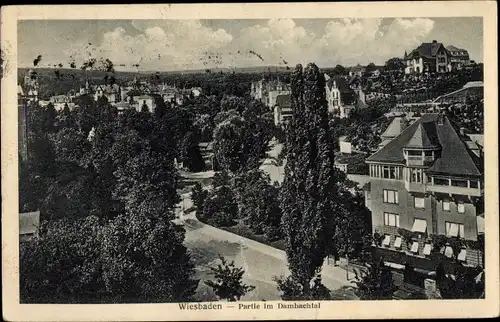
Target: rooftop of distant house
(426,50)
(426,133)
(341,82)
(358,68)
(452,49)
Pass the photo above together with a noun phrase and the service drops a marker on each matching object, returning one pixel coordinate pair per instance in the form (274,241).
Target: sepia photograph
(240,164)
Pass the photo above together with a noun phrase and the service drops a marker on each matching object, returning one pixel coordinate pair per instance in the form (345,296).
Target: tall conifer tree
(309,197)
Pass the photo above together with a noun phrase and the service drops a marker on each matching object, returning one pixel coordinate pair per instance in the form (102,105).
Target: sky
(166,45)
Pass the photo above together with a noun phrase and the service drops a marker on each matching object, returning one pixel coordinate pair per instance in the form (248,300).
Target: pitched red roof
(455,158)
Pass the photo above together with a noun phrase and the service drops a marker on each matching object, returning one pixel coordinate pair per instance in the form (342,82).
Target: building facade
(459,58)
(339,95)
(426,182)
(282,110)
(428,58)
(268,91)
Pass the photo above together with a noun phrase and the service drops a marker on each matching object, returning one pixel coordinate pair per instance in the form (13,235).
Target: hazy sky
(199,44)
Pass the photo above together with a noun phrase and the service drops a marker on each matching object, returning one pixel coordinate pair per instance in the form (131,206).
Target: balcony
(447,189)
(414,187)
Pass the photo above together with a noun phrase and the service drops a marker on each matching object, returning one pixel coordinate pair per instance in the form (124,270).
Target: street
(260,262)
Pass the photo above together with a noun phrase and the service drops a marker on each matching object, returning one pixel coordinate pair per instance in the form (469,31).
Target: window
(446,205)
(441,182)
(461,208)
(459,183)
(428,153)
(473,184)
(385,173)
(391,219)
(454,229)
(419,225)
(390,196)
(416,175)
(419,202)
(414,153)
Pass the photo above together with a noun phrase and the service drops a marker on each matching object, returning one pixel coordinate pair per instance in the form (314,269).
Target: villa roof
(424,137)
(426,49)
(395,128)
(341,82)
(358,68)
(455,158)
(453,48)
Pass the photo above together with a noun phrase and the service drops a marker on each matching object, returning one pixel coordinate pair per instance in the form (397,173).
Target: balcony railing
(455,190)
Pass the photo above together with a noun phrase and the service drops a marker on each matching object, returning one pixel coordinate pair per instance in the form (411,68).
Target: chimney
(434,41)
(462,131)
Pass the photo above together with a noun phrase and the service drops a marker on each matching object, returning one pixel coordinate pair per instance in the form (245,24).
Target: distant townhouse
(268,91)
(59,101)
(282,110)
(459,58)
(111,92)
(139,101)
(428,58)
(339,95)
(426,182)
(357,70)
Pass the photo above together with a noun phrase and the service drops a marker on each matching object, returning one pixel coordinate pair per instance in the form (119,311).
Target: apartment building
(426,181)
(459,58)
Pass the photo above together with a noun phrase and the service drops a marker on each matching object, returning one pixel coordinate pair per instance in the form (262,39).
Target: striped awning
(427,249)
(387,240)
(397,242)
(414,247)
(462,255)
(448,251)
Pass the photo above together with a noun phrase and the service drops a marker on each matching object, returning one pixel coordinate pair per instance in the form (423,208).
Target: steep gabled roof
(455,158)
(453,48)
(424,137)
(427,50)
(395,128)
(341,82)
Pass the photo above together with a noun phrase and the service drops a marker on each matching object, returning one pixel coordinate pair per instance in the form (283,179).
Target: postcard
(250,161)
